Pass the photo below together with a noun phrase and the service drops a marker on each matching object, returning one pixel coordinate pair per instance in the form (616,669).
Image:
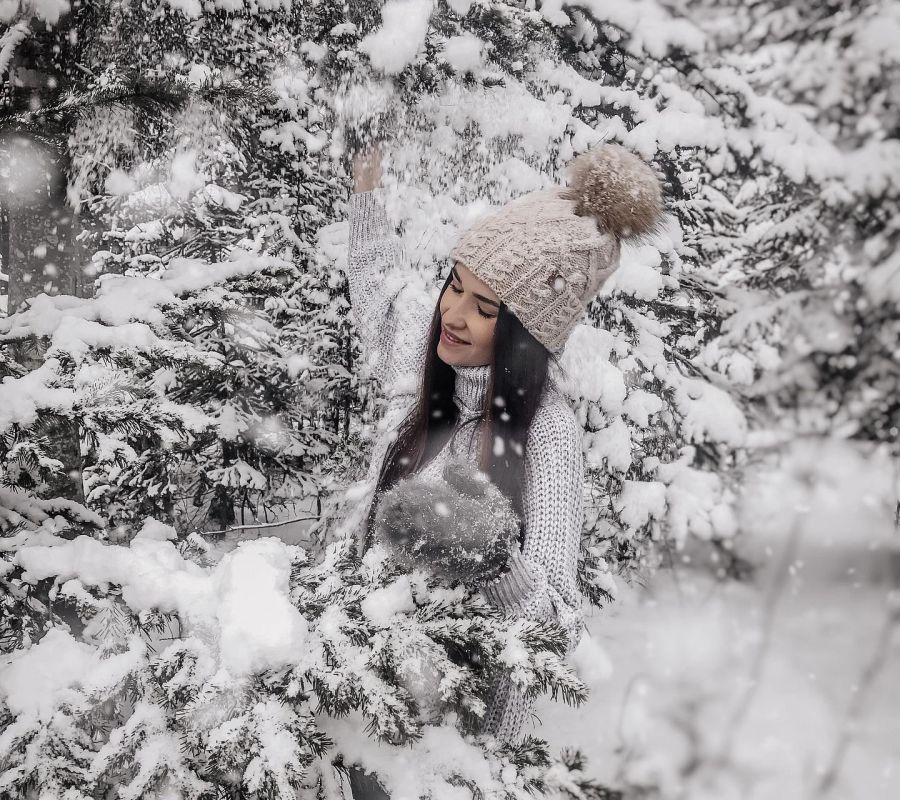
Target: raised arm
(541,580)
(390,309)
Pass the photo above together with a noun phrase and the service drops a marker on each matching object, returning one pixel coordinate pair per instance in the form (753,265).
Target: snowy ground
(681,651)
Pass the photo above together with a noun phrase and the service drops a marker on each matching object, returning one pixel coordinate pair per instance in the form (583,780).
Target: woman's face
(468,316)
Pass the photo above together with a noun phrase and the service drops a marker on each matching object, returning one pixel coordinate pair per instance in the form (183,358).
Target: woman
(473,374)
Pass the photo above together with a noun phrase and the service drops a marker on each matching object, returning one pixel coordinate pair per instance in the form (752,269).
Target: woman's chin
(445,356)
(453,359)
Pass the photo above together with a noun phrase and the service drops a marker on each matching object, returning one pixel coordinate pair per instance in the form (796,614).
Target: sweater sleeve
(392,304)
(541,580)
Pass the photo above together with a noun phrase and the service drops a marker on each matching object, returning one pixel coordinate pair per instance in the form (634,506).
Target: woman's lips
(448,338)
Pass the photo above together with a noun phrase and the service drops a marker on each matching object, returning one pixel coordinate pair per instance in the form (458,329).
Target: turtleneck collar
(471,387)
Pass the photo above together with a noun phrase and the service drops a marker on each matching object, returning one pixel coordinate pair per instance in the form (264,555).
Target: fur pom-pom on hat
(617,188)
(547,253)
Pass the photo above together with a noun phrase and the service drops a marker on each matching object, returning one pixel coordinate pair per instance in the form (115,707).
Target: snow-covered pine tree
(193,171)
(490,100)
(213,414)
(175,686)
(817,262)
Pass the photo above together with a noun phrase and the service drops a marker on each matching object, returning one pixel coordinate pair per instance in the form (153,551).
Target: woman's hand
(367,168)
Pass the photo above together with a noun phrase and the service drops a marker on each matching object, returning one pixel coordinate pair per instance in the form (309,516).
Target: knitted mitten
(460,526)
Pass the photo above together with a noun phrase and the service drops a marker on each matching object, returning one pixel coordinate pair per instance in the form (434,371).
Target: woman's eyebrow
(479,296)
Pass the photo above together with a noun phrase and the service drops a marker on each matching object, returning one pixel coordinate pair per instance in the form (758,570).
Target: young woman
(473,375)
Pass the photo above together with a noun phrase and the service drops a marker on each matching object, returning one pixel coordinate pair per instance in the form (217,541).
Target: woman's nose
(454,317)
(455,321)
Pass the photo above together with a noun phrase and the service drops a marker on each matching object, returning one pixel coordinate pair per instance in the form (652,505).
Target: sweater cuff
(510,591)
(368,218)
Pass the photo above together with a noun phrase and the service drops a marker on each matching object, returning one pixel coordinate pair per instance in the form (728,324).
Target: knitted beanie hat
(547,253)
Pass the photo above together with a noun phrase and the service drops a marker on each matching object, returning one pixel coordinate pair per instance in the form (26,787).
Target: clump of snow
(239,474)
(146,232)
(463,53)
(314,52)
(395,44)
(652,27)
(21,399)
(697,502)
(460,7)
(640,405)
(638,274)
(640,501)
(185,178)
(241,604)
(708,413)
(610,446)
(419,769)
(219,196)
(297,363)
(154,529)
(192,9)
(588,372)
(35,681)
(119,182)
(382,604)
(199,74)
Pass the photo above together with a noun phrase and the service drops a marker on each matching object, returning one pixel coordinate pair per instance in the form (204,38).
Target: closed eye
(483,314)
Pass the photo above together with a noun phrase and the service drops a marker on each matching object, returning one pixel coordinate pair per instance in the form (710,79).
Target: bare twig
(769,609)
(869,674)
(257,527)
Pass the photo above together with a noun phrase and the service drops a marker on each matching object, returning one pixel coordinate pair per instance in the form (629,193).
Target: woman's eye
(457,290)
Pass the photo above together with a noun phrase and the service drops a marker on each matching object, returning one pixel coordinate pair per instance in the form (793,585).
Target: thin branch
(257,527)
(871,671)
(770,607)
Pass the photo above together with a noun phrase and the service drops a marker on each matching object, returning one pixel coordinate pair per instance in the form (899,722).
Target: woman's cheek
(487,336)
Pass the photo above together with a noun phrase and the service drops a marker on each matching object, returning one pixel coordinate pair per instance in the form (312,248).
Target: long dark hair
(519,371)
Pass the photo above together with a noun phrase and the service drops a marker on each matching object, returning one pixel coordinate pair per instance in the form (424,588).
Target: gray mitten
(461,526)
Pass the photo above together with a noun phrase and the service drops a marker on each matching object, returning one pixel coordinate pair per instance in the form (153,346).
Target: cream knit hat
(547,253)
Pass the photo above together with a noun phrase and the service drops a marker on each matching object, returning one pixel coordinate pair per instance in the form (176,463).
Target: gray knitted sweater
(393,312)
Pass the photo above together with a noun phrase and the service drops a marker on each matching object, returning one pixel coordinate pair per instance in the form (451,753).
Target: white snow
(639,274)
(709,413)
(35,680)
(199,74)
(47,10)
(696,502)
(463,53)
(382,604)
(640,405)
(652,27)
(120,182)
(639,502)
(395,44)
(415,770)
(241,603)
(185,179)
(610,446)
(220,196)
(682,651)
